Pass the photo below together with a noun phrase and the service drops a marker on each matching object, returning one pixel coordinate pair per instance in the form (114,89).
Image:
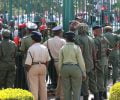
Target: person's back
(8,51)
(39,52)
(36,61)
(25,44)
(112,38)
(7,61)
(86,44)
(55,44)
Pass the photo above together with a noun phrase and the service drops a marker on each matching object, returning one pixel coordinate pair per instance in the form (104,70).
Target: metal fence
(100,12)
(92,11)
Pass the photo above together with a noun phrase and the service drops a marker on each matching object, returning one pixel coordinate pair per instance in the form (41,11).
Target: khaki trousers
(37,81)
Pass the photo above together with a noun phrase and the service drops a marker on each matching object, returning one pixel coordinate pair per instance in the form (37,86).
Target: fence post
(10,9)
(68,13)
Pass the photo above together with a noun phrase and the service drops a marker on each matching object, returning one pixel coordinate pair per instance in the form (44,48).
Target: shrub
(15,94)
(115,92)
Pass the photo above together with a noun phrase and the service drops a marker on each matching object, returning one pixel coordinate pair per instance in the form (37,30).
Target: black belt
(36,63)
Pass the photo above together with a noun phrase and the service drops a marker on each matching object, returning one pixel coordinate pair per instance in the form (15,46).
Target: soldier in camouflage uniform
(114,55)
(87,46)
(7,61)
(101,45)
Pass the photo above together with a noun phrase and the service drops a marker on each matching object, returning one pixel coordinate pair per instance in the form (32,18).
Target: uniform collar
(36,44)
(70,43)
(56,37)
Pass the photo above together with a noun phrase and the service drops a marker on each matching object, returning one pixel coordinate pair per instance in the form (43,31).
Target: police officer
(86,44)
(101,44)
(54,45)
(26,42)
(7,61)
(36,61)
(72,68)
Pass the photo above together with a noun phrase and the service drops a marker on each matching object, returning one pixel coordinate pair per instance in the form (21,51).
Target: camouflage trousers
(89,84)
(102,78)
(7,78)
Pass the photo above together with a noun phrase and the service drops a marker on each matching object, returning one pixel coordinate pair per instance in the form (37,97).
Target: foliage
(117,5)
(15,94)
(29,6)
(115,92)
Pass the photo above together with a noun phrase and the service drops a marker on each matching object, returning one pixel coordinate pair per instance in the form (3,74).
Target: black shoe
(114,81)
(96,96)
(101,96)
(105,95)
(85,97)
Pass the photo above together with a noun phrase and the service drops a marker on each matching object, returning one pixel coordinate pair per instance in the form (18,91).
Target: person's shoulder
(63,40)
(76,46)
(12,42)
(26,37)
(42,46)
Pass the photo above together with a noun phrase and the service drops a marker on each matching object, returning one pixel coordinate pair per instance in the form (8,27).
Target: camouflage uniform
(113,59)
(101,44)
(7,61)
(102,64)
(87,46)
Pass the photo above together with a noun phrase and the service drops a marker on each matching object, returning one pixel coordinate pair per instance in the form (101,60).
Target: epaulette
(25,37)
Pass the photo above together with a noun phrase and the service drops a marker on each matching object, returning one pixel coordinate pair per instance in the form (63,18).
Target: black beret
(96,27)
(69,33)
(36,35)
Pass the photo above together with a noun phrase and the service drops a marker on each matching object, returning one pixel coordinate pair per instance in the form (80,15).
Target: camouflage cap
(83,27)
(6,33)
(108,27)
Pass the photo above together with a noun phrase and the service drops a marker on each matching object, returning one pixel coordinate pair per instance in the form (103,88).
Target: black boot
(96,96)
(85,97)
(114,81)
(101,96)
(105,95)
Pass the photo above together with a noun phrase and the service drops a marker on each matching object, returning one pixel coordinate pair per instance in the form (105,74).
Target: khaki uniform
(55,44)
(7,63)
(72,69)
(37,54)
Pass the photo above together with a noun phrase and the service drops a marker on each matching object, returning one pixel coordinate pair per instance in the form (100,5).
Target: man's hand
(84,77)
(27,67)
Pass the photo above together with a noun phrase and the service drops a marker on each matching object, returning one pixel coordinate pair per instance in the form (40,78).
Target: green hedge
(115,92)
(15,94)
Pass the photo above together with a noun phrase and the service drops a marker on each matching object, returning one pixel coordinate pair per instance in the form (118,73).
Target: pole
(10,9)
(68,13)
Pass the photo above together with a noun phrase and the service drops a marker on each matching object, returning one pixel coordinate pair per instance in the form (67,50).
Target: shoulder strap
(31,56)
(49,50)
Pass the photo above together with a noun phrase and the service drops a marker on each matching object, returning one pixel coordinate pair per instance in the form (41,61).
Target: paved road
(90,96)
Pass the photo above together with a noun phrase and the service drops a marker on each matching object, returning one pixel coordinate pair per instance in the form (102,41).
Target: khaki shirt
(37,53)
(71,54)
(55,44)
